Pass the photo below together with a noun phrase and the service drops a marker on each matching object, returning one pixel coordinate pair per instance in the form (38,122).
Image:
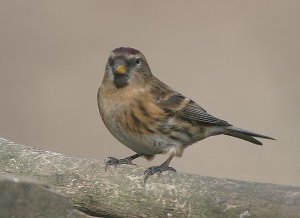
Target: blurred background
(238,59)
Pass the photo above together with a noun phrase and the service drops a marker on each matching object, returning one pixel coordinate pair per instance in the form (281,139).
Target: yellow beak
(121,69)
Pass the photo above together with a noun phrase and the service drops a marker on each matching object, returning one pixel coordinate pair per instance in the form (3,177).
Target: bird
(149,117)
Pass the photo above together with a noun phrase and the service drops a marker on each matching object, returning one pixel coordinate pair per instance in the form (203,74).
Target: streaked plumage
(149,117)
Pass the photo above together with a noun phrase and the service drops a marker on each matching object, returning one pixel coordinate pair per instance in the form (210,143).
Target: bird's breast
(132,122)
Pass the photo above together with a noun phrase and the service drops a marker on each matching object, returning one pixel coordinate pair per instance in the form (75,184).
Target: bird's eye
(138,61)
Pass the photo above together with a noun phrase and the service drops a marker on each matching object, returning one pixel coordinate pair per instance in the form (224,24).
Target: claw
(110,161)
(115,162)
(157,169)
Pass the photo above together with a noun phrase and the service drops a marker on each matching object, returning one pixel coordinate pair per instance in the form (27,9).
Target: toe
(125,161)
(157,169)
(171,169)
(110,161)
(149,170)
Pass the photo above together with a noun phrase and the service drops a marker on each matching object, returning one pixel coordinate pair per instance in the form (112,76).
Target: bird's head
(127,66)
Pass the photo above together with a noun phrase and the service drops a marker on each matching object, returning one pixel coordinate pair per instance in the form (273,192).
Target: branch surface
(121,192)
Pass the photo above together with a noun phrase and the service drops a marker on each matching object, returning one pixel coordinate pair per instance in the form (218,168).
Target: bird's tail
(244,134)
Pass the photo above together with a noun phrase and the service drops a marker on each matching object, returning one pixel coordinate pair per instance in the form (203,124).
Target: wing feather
(193,111)
(177,105)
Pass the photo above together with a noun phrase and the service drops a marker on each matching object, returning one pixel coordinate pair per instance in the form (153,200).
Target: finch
(151,118)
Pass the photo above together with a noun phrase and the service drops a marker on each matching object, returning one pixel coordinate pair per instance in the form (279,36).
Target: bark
(121,191)
(23,197)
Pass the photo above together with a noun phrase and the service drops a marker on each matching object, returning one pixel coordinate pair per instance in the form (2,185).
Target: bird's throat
(121,81)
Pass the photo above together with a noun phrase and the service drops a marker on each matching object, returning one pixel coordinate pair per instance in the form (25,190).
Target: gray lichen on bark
(121,191)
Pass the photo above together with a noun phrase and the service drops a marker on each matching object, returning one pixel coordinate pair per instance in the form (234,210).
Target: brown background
(238,59)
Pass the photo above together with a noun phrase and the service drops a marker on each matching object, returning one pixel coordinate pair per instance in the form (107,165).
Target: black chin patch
(120,81)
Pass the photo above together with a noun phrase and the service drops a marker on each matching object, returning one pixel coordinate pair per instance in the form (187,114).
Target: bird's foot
(157,169)
(115,162)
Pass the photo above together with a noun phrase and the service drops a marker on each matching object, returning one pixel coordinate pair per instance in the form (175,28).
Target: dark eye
(138,61)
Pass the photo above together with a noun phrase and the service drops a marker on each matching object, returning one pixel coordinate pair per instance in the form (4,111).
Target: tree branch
(121,192)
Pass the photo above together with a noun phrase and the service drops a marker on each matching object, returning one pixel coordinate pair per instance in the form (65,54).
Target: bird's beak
(121,69)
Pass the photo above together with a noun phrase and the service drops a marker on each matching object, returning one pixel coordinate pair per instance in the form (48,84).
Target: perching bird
(151,118)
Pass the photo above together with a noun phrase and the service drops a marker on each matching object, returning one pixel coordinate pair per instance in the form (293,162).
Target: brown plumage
(149,117)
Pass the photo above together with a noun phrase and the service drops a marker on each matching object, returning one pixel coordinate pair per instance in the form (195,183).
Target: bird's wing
(186,109)
(175,104)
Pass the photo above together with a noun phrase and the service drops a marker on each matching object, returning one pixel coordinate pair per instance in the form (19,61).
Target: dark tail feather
(244,134)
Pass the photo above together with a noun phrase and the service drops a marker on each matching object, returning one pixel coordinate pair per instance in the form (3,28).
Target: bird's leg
(114,161)
(159,169)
